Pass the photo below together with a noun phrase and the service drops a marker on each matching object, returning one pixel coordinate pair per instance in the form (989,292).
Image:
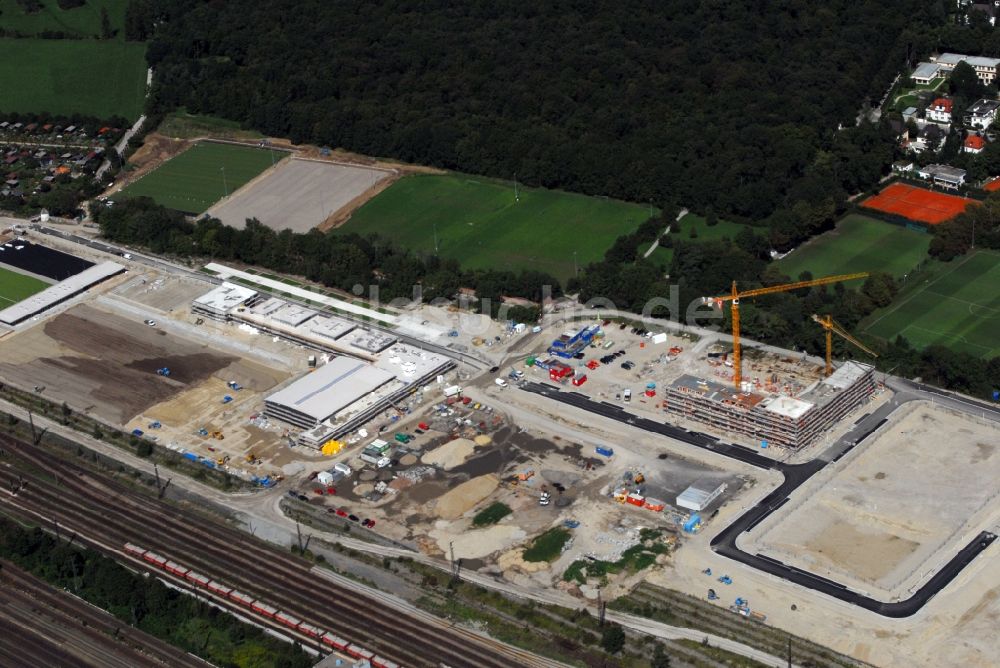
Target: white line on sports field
(917,293)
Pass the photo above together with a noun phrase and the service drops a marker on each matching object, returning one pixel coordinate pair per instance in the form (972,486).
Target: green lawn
(857,244)
(15,286)
(201,176)
(82,21)
(956,304)
(89,77)
(477,222)
(663,257)
(548,546)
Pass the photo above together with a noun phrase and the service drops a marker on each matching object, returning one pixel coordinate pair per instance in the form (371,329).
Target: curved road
(796,475)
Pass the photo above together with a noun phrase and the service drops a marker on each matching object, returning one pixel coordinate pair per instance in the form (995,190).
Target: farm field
(202,175)
(97,78)
(857,244)
(83,21)
(477,221)
(917,204)
(955,304)
(15,287)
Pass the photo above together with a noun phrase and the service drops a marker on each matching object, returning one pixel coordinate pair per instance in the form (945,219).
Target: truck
(452,391)
(500,382)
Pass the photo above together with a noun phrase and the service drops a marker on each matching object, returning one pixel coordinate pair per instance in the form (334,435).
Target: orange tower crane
(734,300)
(831,326)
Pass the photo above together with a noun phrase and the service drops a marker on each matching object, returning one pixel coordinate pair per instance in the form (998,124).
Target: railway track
(40,626)
(81,500)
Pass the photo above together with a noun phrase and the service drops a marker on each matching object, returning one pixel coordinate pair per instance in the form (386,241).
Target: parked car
(341,512)
(353,518)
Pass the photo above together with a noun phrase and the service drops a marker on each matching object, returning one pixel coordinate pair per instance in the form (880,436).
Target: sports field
(955,304)
(859,243)
(202,175)
(73,76)
(83,21)
(15,286)
(917,204)
(477,222)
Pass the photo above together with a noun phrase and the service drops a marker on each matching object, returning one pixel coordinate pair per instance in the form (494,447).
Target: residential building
(902,166)
(930,138)
(908,113)
(974,144)
(982,114)
(940,110)
(986,68)
(945,176)
(988,10)
(925,73)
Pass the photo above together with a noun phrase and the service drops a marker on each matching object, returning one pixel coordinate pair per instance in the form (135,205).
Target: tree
(107,32)
(711,218)
(613,639)
(660,657)
(965,83)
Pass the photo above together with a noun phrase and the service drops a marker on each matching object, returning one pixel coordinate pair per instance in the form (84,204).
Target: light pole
(225,186)
(435,238)
(517,197)
(576,268)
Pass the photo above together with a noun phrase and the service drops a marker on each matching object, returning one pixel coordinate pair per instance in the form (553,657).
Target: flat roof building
(700,495)
(218,302)
(321,394)
(59,292)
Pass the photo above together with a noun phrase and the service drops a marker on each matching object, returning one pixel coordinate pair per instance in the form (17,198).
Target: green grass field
(857,244)
(955,304)
(15,286)
(478,223)
(90,77)
(182,125)
(201,176)
(82,21)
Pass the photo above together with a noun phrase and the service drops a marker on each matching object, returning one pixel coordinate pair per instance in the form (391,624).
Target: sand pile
(483,439)
(456,502)
(479,542)
(449,455)
(514,560)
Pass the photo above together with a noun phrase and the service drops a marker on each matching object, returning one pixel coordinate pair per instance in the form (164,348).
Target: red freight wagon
(264,609)
(155,559)
(379,662)
(358,652)
(198,579)
(310,630)
(288,620)
(241,598)
(335,642)
(134,549)
(176,569)
(218,588)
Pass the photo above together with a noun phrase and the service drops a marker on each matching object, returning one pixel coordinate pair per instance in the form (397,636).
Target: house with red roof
(940,110)
(974,144)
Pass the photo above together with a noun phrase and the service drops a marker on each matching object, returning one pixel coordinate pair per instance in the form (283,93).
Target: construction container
(655,505)
(605,452)
(636,500)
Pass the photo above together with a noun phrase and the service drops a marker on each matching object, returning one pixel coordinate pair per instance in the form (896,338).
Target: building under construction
(772,418)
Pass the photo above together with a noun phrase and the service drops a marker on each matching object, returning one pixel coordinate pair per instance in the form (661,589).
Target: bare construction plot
(887,518)
(299,195)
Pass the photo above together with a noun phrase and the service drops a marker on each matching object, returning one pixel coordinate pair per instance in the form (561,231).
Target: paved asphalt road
(796,475)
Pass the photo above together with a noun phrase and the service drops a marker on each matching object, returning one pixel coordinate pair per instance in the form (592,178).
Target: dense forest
(638,100)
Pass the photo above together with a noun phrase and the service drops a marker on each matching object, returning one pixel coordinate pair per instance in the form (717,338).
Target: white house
(945,176)
(982,114)
(939,110)
(925,73)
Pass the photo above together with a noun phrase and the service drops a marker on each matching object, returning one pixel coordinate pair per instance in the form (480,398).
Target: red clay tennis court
(917,204)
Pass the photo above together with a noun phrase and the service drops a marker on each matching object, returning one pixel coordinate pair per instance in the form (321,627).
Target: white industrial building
(700,495)
(326,391)
(218,302)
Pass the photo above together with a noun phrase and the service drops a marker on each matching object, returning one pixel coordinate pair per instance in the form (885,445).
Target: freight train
(258,606)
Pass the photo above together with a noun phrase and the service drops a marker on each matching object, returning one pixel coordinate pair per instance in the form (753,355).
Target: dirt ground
(155,150)
(101,363)
(163,293)
(883,518)
(298,194)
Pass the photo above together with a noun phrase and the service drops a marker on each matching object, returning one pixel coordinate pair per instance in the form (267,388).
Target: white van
(342,468)
(501,382)
(627,395)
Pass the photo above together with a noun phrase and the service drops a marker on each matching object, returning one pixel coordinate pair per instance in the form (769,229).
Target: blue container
(209,463)
(190,455)
(607,452)
(692,522)
(996,395)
